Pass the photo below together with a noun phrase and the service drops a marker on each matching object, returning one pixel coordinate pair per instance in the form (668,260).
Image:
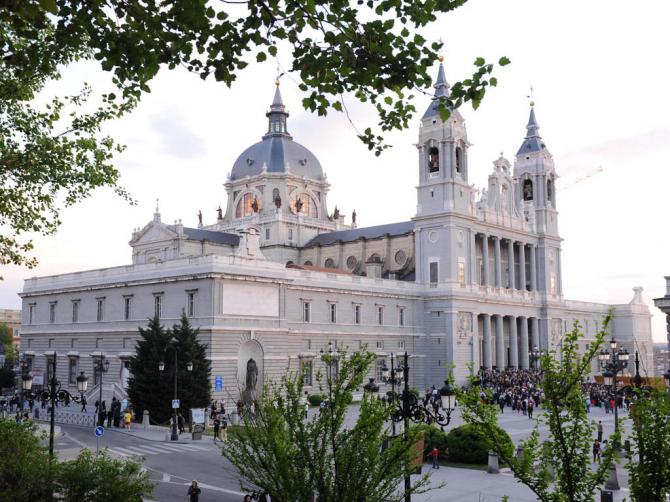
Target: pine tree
(194,387)
(148,389)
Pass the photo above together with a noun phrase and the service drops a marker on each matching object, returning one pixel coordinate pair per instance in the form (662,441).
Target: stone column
(523,354)
(486,335)
(485,259)
(500,344)
(473,257)
(533,272)
(522,266)
(535,332)
(510,259)
(513,343)
(498,262)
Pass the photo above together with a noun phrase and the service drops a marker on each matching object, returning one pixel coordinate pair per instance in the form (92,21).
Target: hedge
(466,445)
(433,437)
(314,399)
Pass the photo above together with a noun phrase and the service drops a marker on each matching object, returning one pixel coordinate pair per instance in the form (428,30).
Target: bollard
(613,481)
(145,420)
(493,467)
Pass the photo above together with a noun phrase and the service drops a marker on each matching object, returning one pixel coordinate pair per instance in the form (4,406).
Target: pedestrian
(217,426)
(596,450)
(435,453)
(530,409)
(193,491)
(588,405)
(83,404)
(600,431)
(224,427)
(127,418)
(180,423)
(97,405)
(247,498)
(110,414)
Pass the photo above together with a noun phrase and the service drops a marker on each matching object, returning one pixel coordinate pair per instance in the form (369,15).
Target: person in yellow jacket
(127,418)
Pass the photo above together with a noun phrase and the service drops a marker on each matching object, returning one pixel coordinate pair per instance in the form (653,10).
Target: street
(172,464)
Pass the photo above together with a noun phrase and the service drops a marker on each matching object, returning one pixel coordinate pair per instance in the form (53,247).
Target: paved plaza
(173,464)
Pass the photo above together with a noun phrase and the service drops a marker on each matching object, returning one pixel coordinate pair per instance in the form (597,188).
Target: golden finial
(440,58)
(532,103)
(277,82)
(530,96)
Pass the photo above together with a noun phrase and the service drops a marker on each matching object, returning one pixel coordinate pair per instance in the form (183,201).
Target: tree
(295,457)
(11,351)
(373,51)
(24,462)
(648,463)
(195,390)
(99,478)
(147,388)
(566,455)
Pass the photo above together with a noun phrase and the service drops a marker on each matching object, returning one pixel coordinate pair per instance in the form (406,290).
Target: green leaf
(260,57)
(504,61)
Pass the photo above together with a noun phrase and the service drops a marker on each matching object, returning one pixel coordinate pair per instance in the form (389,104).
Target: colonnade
(519,341)
(508,278)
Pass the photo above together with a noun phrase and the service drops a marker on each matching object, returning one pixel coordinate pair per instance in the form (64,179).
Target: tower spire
(441,87)
(277,116)
(533,141)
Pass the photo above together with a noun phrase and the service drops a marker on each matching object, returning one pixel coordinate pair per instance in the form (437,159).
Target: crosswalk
(144,449)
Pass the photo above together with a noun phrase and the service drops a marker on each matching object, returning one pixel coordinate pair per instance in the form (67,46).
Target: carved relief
(556,332)
(464,325)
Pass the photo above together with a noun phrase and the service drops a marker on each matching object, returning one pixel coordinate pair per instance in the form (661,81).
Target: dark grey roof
(197,234)
(533,141)
(392,229)
(278,154)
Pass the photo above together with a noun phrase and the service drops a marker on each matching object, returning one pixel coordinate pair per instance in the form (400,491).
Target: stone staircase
(109,390)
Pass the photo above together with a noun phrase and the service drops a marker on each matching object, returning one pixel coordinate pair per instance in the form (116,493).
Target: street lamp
(174,436)
(371,387)
(535,355)
(666,377)
(55,393)
(393,376)
(612,362)
(100,366)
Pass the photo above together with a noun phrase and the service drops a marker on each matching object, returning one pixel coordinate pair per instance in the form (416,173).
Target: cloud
(176,138)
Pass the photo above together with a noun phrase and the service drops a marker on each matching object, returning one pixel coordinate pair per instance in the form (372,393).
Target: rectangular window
(75,311)
(52,312)
(29,361)
(101,309)
(158,305)
(461,273)
(379,368)
(401,344)
(306,311)
(73,343)
(332,308)
(98,343)
(380,344)
(401,316)
(267,234)
(31,313)
(51,343)
(49,372)
(72,373)
(552,284)
(433,273)
(127,343)
(290,234)
(357,314)
(380,316)
(191,304)
(306,366)
(127,307)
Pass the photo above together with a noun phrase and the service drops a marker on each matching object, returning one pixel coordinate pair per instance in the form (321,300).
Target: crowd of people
(118,411)
(518,389)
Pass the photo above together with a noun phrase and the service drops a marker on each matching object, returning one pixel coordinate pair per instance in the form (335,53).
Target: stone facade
(473,280)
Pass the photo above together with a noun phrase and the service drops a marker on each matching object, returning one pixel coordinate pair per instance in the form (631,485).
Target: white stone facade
(474,279)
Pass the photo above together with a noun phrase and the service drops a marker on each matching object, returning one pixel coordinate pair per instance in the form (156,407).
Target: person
(83,404)
(435,453)
(127,418)
(102,413)
(588,405)
(116,412)
(224,427)
(596,450)
(97,405)
(530,409)
(193,491)
(180,423)
(247,498)
(110,413)
(217,426)
(600,430)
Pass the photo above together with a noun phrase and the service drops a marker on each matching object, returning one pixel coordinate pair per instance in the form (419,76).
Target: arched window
(550,190)
(433,160)
(459,159)
(527,190)
(330,263)
(308,263)
(289,263)
(245,206)
(306,206)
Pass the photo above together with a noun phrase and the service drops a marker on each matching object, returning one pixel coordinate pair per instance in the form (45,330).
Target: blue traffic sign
(99,430)
(218,382)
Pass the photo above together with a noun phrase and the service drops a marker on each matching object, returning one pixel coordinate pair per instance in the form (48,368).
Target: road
(172,465)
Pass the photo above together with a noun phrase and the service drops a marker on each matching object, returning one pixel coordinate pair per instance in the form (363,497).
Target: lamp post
(174,436)
(411,409)
(100,366)
(55,393)
(666,377)
(612,362)
(535,355)
(637,379)
(392,376)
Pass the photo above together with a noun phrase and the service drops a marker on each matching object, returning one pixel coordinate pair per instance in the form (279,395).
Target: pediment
(153,232)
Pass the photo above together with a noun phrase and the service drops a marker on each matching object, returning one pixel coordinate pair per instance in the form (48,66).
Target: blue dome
(277,154)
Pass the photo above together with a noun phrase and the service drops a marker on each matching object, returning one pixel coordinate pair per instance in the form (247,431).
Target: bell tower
(443,157)
(536,188)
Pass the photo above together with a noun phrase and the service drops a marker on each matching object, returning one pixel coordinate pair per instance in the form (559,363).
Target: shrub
(433,437)
(466,445)
(314,399)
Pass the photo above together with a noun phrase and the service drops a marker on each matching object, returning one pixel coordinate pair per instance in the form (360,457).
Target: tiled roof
(197,234)
(393,229)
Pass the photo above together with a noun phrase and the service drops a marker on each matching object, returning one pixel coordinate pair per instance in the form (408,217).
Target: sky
(599,73)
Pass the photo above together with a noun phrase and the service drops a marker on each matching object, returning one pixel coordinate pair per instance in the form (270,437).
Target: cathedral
(472,280)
